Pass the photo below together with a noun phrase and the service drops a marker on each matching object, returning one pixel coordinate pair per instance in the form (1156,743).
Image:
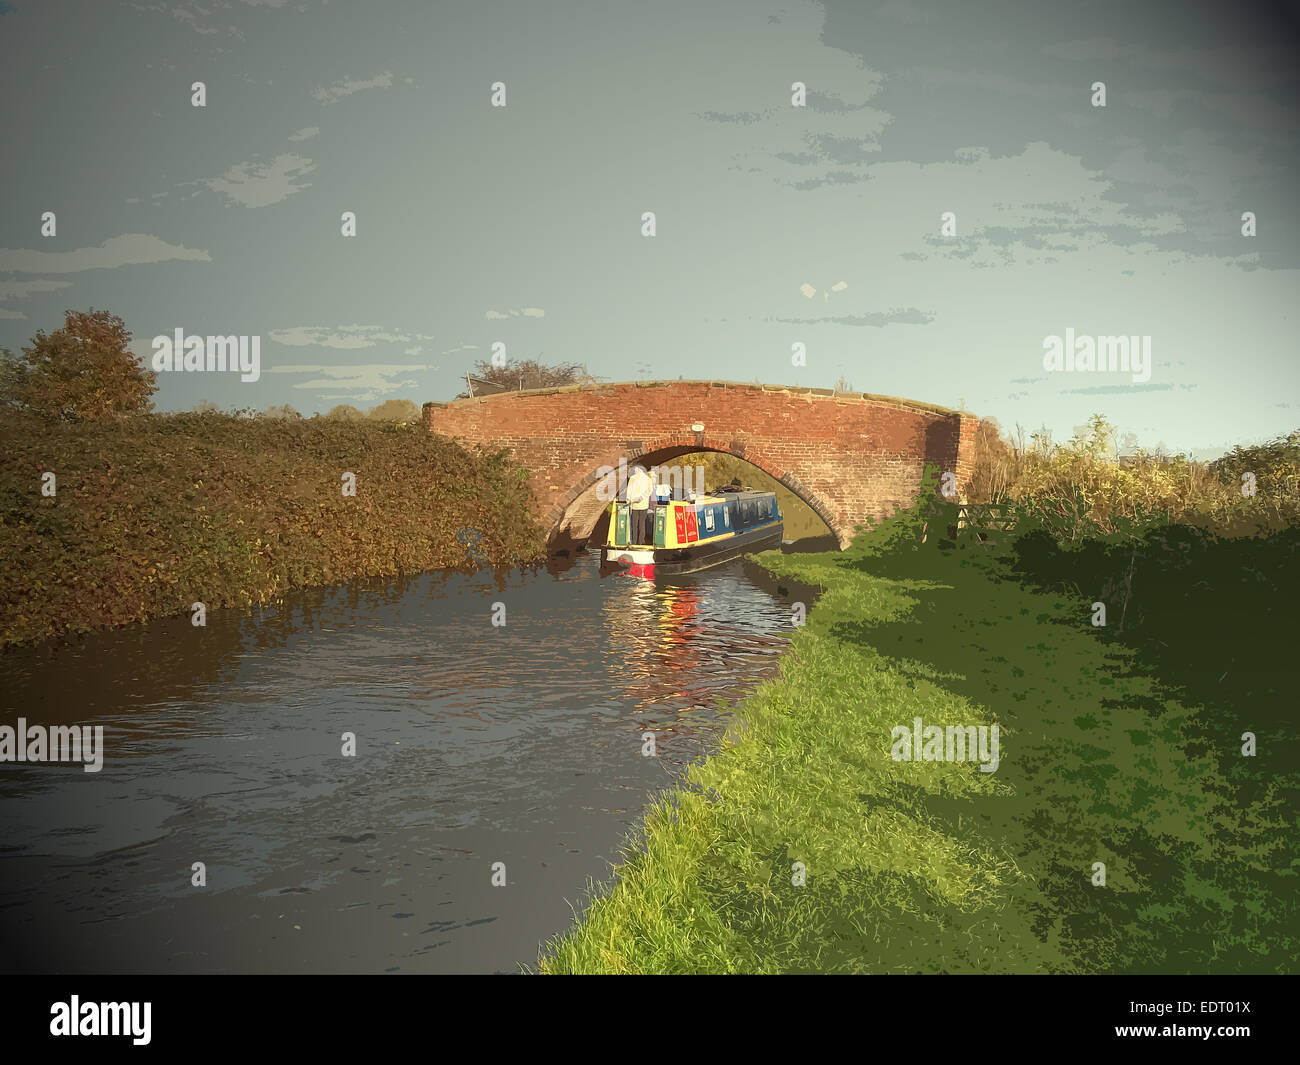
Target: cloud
(305,134)
(906,12)
(262,184)
(346,87)
(355,370)
(810,292)
(360,381)
(129,249)
(990,81)
(20,290)
(1035,207)
(1115,390)
(1224,65)
(527,312)
(740,118)
(14,289)
(904,316)
(191,19)
(341,336)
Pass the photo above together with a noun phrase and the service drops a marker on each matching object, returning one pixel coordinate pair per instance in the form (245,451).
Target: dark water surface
(475,744)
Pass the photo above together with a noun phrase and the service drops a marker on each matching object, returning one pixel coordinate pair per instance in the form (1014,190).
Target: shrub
(159,511)
(346,412)
(1083,489)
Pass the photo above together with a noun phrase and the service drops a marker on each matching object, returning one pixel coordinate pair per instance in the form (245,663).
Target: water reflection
(475,744)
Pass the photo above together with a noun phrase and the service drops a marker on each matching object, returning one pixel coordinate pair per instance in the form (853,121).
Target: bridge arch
(852,457)
(580,515)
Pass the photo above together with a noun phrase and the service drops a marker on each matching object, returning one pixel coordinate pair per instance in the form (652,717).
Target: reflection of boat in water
(691,535)
(675,647)
(656,643)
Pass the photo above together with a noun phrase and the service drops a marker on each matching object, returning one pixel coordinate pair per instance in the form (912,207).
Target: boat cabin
(681,523)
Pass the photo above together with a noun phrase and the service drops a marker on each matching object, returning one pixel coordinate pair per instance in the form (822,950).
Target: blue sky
(776,224)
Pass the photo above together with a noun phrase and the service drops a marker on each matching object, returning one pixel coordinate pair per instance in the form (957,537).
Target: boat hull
(667,562)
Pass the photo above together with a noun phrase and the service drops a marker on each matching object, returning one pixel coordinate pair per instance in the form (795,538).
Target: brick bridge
(850,456)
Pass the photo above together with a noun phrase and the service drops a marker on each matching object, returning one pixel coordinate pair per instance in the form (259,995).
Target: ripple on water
(475,744)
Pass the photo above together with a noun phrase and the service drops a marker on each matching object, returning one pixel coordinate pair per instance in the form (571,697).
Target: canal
(476,744)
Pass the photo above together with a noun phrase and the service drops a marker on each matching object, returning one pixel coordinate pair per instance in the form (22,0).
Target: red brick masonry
(850,456)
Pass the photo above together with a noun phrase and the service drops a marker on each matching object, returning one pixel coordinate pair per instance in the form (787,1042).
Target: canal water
(476,744)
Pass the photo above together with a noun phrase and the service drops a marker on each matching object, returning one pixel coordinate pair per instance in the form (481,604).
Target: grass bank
(1108,754)
(153,513)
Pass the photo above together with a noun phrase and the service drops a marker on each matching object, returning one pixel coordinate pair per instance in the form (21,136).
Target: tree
(346,412)
(528,373)
(997,464)
(84,371)
(394,410)
(278,412)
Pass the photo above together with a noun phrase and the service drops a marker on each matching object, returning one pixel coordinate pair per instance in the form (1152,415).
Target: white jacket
(638,491)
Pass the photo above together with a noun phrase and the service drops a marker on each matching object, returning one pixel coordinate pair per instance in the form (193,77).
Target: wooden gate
(985,522)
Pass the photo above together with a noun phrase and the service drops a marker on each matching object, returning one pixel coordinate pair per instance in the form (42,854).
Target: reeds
(1086,488)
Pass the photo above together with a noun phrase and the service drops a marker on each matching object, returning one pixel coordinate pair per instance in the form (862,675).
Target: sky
(775,224)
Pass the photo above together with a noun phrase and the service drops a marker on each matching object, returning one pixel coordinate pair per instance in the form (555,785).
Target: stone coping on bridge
(797,390)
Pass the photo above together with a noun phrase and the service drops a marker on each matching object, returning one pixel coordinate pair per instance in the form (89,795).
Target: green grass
(933,866)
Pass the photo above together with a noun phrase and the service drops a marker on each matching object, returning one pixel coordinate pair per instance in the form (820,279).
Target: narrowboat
(696,533)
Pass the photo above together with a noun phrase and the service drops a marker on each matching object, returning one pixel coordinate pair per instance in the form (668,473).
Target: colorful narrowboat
(694,534)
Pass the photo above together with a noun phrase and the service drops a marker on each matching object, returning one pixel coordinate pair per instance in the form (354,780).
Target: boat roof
(722,497)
